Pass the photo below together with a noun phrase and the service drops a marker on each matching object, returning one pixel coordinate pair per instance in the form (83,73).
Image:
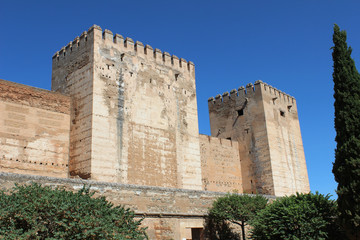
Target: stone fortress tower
(265,123)
(123,117)
(134,111)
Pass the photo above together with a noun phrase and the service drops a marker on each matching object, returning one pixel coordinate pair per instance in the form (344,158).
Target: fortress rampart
(164,209)
(220,165)
(34,130)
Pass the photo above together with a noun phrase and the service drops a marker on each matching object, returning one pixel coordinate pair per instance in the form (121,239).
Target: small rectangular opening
(282,113)
(197,234)
(229,138)
(240,112)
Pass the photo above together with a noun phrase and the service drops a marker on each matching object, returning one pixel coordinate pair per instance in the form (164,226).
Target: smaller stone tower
(265,122)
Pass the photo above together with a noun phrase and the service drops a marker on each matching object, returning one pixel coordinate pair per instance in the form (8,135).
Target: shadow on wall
(219,230)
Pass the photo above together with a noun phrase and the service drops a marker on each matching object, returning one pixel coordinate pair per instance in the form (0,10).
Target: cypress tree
(346,167)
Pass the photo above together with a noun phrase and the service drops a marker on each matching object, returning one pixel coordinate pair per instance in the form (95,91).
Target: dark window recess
(229,138)
(240,112)
(282,113)
(196,233)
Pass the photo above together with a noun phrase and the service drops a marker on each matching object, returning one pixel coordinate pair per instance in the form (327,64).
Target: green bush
(300,216)
(36,212)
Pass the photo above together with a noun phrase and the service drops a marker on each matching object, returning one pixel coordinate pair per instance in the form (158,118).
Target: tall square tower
(265,122)
(133,111)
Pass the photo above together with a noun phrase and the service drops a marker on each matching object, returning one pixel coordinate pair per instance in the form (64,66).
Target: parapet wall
(34,97)
(34,130)
(220,164)
(128,45)
(248,92)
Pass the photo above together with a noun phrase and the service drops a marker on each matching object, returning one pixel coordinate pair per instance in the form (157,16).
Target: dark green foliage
(298,217)
(347,125)
(36,212)
(234,208)
(216,229)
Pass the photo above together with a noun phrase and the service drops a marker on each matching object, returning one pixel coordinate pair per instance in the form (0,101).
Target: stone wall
(145,116)
(34,130)
(169,213)
(220,163)
(289,169)
(72,74)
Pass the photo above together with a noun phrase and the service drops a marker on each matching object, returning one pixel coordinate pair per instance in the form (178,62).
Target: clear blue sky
(284,43)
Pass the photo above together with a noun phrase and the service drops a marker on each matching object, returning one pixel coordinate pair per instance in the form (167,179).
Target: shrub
(36,212)
(300,216)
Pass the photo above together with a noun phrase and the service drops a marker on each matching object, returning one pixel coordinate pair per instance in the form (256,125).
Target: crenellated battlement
(75,45)
(126,44)
(219,141)
(243,94)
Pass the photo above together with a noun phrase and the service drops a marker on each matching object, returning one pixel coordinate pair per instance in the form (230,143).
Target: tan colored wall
(140,111)
(170,212)
(286,148)
(72,74)
(34,130)
(220,165)
(270,146)
(150,113)
(249,130)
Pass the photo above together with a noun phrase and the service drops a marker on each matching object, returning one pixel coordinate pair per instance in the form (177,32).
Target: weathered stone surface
(170,213)
(134,111)
(265,123)
(34,130)
(124,113)
(220,163)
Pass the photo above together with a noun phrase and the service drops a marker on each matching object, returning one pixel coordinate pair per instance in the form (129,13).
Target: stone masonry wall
(72,74)
(240,116)
(286,148)
(34,130)
(169,213)
(220,163)
(145,115)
